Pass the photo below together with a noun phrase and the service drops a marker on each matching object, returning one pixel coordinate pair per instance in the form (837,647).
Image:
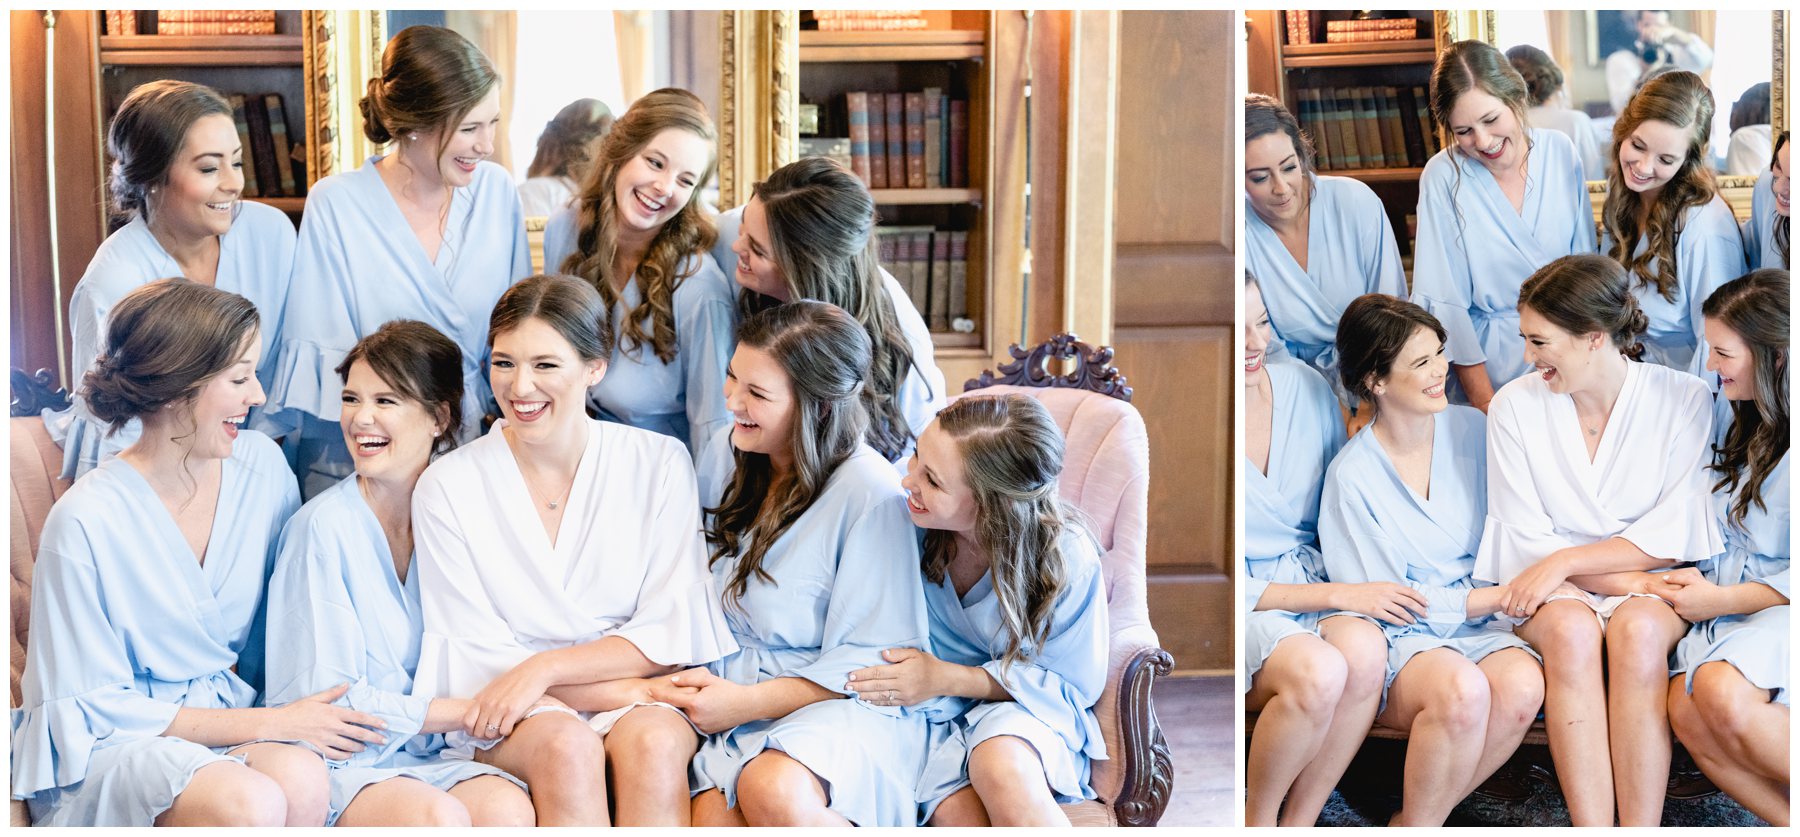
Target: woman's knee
(1309,674)
(228,794)
(962,809)
(774,788)
(1567,634)
(1722,699)
(652,735)
(305,782)
(1517,694)
(1638,639)
(1005,761)
(494,801)
(559,745)
(1461,699)
(1365,651)
(428,806)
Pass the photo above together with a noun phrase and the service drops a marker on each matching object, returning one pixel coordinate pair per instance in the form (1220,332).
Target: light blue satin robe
(922,394)
(1281,508)
(1709,253)
(357,266)
(685,397)
(1053,691)
(1757,552)
(128,627)
(335,587)
(255,256)
(1760,250)
(1374,527)
(846,588)
(1473,250)
(1350,251)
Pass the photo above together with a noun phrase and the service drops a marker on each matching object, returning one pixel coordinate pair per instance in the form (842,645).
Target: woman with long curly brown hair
(1664,220)
(1728,700)
(638,236)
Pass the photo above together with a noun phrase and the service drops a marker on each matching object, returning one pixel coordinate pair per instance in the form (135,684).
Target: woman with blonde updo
(1664,220)
(638,236)
(1595,486)
(429,230)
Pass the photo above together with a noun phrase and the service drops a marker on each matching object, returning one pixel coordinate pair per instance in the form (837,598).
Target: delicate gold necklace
(550,504)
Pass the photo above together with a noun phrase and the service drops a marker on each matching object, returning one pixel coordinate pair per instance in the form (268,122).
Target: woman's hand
(911,677)
(711,702)
(338,732)
(1694,597)
(504,702)
(1530,589)
(1383,600)
(1484,601)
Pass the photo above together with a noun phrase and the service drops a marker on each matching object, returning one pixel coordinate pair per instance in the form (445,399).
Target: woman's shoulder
(1554,144)
(491,175)
(864,480)
(1673,383)
(1517,394)
(1713,217)
(1348,192)
(1442,169)
(262,222)
(257,453)
(704,281)
(1290,373)
(462,466)
(640,447)
(328,513)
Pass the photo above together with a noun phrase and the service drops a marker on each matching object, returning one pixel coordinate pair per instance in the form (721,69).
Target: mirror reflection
(1583,66)
(552,118)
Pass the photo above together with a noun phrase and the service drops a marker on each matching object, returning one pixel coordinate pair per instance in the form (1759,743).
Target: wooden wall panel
(1173,295)
(33,295)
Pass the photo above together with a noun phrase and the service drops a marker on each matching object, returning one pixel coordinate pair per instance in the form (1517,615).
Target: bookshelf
(251,65)
(951,55)
(1283,69)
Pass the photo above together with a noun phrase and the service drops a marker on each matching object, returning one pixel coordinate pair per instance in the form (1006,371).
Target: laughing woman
(1314,669)
(1018,621)
(818,564)
(1316,242)
(1729,698)
(1502,201)
(1664,220)
(1594,476)
(560,563)
(430,231)
(639,237)
(345,580)
(1404,502)
(1766,232)
(177,179)
(146,650)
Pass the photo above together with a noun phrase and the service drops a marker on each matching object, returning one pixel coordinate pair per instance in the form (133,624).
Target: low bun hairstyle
(146,136)
(420,364)
(1371,334)
(1587,293)
(164,340)
(1264,115)
(430,78)
(1539,71)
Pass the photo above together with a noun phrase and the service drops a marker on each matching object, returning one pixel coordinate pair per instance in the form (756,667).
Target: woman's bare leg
(493,801)
(774,789)
(402,801)
(1441,699)
(1515,694)
(560,758)
(1364,647)
(710,811)
(1296,690)
(1567,634)
(648,750)
(1639,637)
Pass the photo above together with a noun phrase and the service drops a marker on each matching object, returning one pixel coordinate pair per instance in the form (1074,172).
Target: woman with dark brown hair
(429,230)
(566,150)
(638,236)
(808,232)
(177,186)
(1664,221)
(1595,487)
(1766,231)
(1549,106)
(1315,241)
(1728,700)
(1503,200)
(146,656)
(561,566)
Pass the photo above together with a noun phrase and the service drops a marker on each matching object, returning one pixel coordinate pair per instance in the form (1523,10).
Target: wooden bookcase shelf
(924,197)
(240,64)
(929,45)
(1386,175)
(1358,54)
(953,58)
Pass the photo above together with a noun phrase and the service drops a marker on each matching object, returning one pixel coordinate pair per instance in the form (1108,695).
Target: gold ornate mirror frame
(759,79)
(1736,189)
(342,52)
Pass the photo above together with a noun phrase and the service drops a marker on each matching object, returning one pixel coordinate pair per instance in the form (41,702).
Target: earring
(436,433)
(413,137)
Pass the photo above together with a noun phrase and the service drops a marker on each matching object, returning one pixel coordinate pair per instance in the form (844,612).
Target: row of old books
(932,265)
(274,155)
(1300,29)
(1368,127)
(873,20)
(191,22)
(917,140)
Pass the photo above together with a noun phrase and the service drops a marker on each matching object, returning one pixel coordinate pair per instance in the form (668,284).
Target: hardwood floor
(1196,715)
